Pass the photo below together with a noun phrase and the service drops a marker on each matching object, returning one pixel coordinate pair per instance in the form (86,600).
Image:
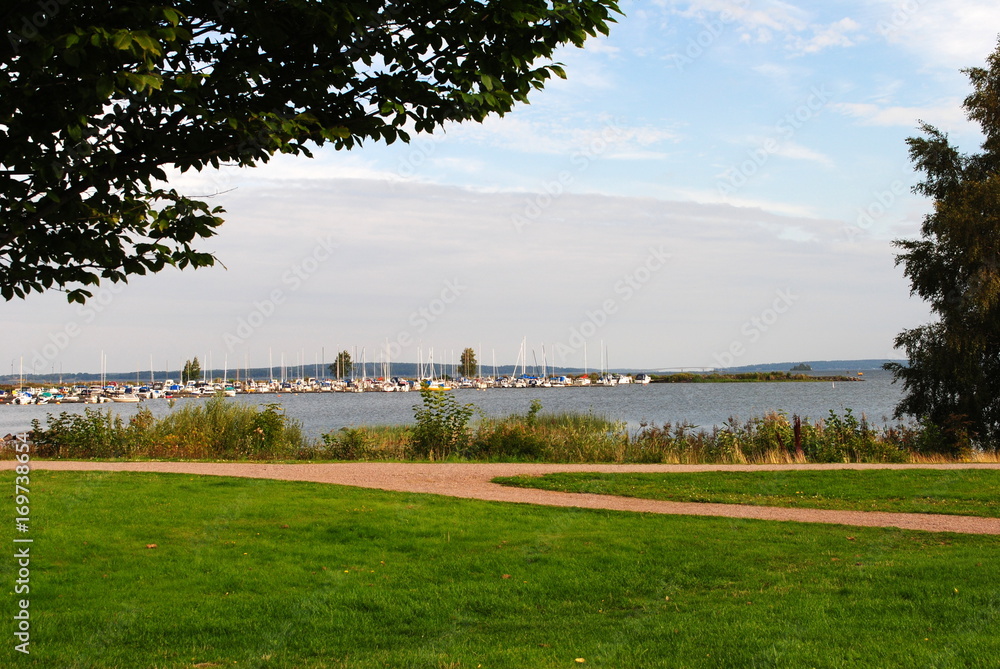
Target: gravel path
(472,481)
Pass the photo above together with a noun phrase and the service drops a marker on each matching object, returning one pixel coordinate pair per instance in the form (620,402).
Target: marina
(353,377)
(130,393)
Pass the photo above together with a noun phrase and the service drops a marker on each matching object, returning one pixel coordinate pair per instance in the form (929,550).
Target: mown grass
(256,573)
(970,492)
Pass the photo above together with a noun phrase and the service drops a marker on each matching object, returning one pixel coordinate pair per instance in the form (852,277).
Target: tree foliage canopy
(99,99)
(191,371)
(468,367)
(342,366)
(952,378)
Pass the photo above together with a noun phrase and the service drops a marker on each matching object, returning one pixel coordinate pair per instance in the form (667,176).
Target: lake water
(703,404)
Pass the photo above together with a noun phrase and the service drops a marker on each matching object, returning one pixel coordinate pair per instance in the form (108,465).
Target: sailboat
(430,382)
(228,390)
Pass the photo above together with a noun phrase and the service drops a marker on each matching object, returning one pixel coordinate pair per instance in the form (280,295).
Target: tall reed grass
(214,429)
(222,430)
(574,437)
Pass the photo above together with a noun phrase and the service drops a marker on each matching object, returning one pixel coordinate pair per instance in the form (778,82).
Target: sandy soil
(472,481)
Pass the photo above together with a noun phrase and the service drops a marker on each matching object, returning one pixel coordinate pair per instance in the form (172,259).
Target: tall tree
(468,367)
(98,100)
(952,378)
(191,371)
(341,367)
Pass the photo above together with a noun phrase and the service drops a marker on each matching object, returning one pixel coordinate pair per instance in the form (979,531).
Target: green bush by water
(442,425)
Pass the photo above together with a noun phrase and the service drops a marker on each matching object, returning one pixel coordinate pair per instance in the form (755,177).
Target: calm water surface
(703,404)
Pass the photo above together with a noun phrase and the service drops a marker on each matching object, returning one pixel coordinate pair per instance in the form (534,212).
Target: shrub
(92,434)
(442,425)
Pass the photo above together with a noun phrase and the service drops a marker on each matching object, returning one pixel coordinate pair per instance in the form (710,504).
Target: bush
(92,434)
(442,425)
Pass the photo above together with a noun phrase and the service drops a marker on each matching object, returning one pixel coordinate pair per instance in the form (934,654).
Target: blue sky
(717,182)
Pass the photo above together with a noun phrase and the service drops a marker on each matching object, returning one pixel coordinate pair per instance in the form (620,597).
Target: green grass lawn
(255,573)
(967,492)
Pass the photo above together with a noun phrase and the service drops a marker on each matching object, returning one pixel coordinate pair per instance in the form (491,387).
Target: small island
(802,367)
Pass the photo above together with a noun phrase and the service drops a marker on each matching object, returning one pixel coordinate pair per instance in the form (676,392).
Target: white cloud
(799,152)
(943,116)
(758,17)
(600,46)
(563,136)
(394,246)
(952,35)
(712,196)
(638,155)
(773,71)
(837,34)
(281,167)
(587,68)
(759,22)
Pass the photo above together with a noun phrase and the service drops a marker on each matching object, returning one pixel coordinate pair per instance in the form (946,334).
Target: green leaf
(122,40)
(105,87)
(147,43)
(172,15)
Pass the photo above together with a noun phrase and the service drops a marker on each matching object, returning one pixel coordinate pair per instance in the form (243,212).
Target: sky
(717,183)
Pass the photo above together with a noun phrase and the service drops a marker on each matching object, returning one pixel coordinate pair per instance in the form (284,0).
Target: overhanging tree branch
(198,84)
